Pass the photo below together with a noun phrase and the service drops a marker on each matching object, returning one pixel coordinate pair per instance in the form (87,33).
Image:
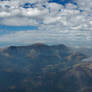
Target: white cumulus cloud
(54,21)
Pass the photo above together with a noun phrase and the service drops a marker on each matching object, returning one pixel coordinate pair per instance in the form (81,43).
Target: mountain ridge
(41,67)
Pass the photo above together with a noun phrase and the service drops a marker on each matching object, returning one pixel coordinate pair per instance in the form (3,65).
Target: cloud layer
(55,21)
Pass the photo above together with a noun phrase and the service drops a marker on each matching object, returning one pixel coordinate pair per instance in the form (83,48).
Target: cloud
(17,21)
(54,36)
(49,20)
(4,14)
(54,20)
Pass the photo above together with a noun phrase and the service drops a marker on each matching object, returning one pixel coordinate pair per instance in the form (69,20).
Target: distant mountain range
(43,68)
(86,50)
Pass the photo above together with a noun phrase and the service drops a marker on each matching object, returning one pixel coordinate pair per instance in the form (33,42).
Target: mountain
(86,50)
(39,67)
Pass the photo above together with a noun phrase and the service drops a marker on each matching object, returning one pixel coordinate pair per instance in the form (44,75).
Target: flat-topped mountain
(40,67)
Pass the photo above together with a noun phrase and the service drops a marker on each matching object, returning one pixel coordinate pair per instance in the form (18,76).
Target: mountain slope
(40,67)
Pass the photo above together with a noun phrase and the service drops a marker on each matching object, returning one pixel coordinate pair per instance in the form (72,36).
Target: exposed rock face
(43,68)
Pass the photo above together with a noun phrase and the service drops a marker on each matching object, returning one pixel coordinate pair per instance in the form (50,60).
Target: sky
(25,22)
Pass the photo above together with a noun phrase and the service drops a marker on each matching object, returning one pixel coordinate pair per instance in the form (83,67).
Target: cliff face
(40,67)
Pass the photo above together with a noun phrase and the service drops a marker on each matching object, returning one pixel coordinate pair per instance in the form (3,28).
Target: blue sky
(24,22)
(17,28)
(63,2)
(8,29)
